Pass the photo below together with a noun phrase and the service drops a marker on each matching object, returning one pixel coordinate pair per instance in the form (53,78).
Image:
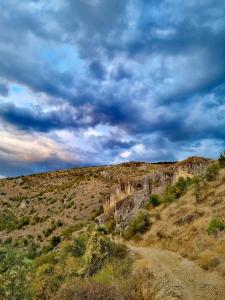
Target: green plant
(103,229)
(154,200)
(55,240)
(23,222)
(99,249)
(139,224)
(212,172)
(78,247)
(8,220)
(222,159)
(215,226)
(14,267)
(176,190)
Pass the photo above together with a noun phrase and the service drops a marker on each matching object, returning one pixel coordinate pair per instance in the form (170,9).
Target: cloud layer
(100,82)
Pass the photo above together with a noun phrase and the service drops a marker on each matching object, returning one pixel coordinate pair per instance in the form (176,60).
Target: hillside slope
(36,206)
(60,233)
(184,226)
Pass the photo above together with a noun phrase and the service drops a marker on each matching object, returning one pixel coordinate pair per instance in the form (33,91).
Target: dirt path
(177,278)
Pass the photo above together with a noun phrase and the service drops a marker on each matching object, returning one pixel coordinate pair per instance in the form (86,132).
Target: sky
(90,82)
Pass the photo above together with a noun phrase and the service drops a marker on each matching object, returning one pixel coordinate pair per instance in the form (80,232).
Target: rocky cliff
(127,197)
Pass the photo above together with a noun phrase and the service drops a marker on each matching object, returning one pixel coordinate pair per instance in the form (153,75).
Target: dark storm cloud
(27,119)
(11,167)
(145,67)
(114,143)
(4,90)
(35,119)
(97,70)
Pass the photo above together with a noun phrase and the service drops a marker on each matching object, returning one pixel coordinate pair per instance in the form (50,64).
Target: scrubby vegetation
(154,200)
(138,225)
(9,222)
(215,226)
(50,274)
(212,172)
(221,159)
(176,190)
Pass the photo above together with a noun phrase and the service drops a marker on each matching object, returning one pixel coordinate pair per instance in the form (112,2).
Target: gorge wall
(128,197)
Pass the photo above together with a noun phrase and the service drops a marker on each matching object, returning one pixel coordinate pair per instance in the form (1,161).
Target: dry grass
(183,226)
(71,196)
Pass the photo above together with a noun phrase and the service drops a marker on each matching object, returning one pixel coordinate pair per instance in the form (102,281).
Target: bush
(154,200)
(222,159)
(99,248)
(212,172)
(176,190)
(67,232)
(55,240)
(88,290)
(8,220)
(14,267)
(78,247)
(215,226)
(139,224)
(103,229)
(23,222)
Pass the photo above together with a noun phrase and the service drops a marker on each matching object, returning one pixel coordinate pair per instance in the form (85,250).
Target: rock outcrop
(127,197)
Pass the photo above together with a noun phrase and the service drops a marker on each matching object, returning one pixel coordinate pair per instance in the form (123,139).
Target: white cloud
(125,154)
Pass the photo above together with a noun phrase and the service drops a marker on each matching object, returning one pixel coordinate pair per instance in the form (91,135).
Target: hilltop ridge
(79,194)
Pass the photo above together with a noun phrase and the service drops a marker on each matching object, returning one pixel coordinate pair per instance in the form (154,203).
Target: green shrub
(215,226)
(176,190)
(14,267)
(32,251)
(47,248)
(23,222)
(118,250)
(139,224)
(53,227)
(103,229)
(59,223)
(55,240)
(99,248)
(222,159)
(169,198)
(7,241)
(212,172)
(8,220)
(78,247)
(154,200)
(67,232)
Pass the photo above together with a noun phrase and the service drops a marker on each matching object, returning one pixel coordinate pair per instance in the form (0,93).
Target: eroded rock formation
(127,197)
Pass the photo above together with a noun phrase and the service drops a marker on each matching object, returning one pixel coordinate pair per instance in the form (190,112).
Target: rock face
(124,200)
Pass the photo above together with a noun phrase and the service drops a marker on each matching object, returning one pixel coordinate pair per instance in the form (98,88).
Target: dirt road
(177,278)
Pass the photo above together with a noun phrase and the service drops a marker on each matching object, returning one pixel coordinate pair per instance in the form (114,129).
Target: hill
(39,204)
(127,231)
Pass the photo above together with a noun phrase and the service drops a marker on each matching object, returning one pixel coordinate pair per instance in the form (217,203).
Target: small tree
(212,172)
(222,159)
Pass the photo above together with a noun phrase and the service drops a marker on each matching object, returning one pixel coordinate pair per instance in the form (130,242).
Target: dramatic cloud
(100,82)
